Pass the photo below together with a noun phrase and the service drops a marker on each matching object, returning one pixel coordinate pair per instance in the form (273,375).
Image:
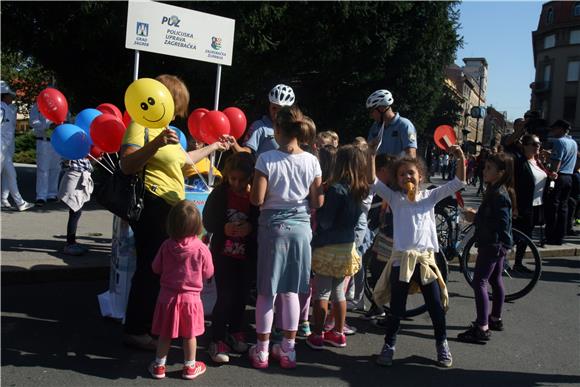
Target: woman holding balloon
(150,145)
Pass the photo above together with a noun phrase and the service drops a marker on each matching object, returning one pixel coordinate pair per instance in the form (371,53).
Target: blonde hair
(184,220)
(178,91)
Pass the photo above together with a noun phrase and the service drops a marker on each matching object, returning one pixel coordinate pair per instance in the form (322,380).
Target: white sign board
(169,30)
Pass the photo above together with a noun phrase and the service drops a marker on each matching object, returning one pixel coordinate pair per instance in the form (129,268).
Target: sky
(501,32)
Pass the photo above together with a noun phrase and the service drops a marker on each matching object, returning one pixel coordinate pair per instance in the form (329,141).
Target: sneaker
(315,341)
(6,204)
(193,372)
(304,329)
(349,330)
(237,342)
(495,325)
(25,206)
(520,268)
(374,313)
(157,370)
(287,359)
(259,358)
(385,358)
(52,200)
(40,202)
(474,335)
(219,352)
(444,358)
(74,250)
(335,339)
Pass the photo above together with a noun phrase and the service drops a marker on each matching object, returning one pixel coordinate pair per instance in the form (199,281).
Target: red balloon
(109,108)
(107,132)
(238,121)
(126,119)
(53,105)
(193,122)
(213,125)
(96,152)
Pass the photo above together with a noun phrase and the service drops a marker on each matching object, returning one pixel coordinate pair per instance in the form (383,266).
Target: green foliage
(25,157)
(25,141)
(334,54)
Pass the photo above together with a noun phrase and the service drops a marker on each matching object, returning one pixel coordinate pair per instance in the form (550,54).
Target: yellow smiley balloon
(149,103)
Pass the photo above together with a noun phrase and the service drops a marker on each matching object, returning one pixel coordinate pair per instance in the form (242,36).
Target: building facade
(556,45)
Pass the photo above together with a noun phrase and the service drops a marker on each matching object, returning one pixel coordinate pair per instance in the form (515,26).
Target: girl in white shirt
(412,264)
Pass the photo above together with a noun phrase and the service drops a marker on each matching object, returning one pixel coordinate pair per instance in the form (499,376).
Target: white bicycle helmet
(282,95)
(380,98)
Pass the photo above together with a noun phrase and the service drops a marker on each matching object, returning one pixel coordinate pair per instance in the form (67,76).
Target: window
(547,73)
(573,71)
(550,16)
(575,37)
(577,9)
(569,109)
(550,41)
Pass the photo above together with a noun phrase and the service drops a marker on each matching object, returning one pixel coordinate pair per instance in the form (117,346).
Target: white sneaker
(6,203)
(25,206)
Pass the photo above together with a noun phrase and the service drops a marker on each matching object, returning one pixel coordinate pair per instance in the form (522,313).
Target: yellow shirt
(163,174)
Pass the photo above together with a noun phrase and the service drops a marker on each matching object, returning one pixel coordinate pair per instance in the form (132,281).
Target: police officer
(9,182)
(399,135)
(47,160)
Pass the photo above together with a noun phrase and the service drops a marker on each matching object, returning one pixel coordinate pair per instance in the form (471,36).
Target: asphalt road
(53,335)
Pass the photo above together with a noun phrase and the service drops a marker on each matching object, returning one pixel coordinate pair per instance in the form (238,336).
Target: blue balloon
(182,138)
(85,118)
(70,142)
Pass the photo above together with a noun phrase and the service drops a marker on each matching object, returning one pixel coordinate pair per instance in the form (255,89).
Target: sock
(189,363)
(262,346)
(288,344)
(161,360)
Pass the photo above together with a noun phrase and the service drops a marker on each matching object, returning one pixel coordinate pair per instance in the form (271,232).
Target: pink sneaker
(315,341)
(193,372)
(335,339)
(157,370)
(287,359)
(259,358)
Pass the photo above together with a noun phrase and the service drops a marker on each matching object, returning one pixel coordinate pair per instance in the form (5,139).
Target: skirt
(178,314)
(284,253)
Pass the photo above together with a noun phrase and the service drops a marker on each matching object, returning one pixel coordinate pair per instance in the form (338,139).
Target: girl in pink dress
(183,262)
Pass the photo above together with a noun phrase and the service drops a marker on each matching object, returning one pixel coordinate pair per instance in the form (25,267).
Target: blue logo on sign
(142,29)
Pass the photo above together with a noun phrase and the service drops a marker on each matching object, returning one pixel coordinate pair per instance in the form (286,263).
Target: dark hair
(503,162)
(327,159)
(291,122)
(184,220)
(399,162)
(351,169)
(562,124)
(241,161)
(383,160)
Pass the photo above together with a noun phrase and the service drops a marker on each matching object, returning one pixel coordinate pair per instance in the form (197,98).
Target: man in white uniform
(9,182)
(47,160)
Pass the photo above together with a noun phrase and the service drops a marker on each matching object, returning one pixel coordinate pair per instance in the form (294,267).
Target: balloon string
(104,160)
(109,157)
(196,171)
(219,159)
(102,165)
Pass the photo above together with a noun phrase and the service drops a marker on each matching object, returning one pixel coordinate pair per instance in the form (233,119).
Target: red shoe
(157,370)
(193,372)
(335,339)
(287,359)
(315,341)
(259,359)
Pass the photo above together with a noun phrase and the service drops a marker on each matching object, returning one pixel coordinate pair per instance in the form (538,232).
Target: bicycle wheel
(444,226)
(516,283)
(415,303)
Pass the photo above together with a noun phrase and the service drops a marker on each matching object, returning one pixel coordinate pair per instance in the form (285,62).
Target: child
(286,183)
(414,247)
(183,262)
(232,220)
(493,225)
(335,255)
(75,190)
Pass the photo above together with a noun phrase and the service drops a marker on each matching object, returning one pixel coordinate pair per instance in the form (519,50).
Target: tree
(333,54)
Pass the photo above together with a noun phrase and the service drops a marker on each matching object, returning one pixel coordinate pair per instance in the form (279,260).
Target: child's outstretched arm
(456,151)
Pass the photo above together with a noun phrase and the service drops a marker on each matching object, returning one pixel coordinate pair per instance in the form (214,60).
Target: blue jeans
(431,295)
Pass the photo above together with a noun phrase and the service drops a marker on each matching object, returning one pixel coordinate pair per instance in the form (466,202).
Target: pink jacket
(183,264)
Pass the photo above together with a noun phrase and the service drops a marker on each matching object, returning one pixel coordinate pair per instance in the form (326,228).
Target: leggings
(399,291)
(305,303)
(289,312)
(488,268)
(71,226)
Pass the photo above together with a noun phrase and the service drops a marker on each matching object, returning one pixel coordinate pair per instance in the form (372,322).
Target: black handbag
(123,194)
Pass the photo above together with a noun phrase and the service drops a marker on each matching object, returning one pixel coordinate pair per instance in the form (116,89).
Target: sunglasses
(536,143)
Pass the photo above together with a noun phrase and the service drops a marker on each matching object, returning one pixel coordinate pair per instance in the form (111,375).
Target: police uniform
(47,160)
(399,135)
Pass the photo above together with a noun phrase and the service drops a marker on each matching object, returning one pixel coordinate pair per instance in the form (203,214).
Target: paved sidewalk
(32,241)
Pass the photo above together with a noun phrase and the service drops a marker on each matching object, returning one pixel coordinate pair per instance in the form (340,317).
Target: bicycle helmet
(380,98)
(282,95)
